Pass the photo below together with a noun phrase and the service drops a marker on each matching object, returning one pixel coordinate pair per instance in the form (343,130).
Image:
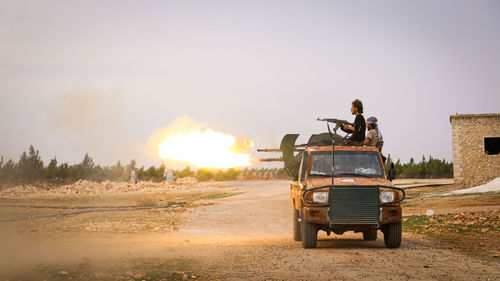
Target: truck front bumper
(319,215)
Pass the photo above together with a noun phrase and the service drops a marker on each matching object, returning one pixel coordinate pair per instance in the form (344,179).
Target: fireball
(204,147)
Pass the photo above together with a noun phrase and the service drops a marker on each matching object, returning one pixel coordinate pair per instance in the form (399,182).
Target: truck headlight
(320,196)
(386,196)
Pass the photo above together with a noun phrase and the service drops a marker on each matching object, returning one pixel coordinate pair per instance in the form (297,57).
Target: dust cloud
(94,121)
(87,116)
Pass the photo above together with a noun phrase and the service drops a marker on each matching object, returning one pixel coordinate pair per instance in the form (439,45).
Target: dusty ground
(242,237)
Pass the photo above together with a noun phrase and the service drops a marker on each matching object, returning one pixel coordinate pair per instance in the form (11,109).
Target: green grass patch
(422,223)
(414,221)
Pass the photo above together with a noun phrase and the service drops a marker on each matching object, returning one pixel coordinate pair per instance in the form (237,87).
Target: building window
(492,146)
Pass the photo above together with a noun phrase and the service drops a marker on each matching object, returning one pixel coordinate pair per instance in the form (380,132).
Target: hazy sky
(102,76)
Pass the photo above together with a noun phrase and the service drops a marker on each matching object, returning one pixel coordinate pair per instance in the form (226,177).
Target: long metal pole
(333,158)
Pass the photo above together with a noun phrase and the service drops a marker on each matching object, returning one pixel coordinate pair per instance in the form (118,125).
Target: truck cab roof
(341,148)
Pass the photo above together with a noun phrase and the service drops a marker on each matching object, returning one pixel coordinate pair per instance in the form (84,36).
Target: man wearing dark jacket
(392,173)
(358,131)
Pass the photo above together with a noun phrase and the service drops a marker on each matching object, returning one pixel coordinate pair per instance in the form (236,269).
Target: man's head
(371,123)
(357,107)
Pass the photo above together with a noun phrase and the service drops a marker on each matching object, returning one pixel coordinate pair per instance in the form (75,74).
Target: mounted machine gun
(292,153)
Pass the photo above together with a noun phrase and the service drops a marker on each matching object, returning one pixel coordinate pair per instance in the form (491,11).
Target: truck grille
(354,205)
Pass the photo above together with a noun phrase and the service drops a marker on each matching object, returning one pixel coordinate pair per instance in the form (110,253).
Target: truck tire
(370,235)
(392,235)
(296,226)
(309,234)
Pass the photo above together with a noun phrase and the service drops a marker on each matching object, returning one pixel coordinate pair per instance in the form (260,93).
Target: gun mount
(292,153)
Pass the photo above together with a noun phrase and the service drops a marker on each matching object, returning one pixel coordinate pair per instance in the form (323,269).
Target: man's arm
(356,127)
(348,128)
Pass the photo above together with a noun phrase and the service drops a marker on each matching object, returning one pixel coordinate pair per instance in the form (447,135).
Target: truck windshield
(347,163)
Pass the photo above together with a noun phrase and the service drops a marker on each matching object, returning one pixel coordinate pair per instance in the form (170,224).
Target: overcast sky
(102,76)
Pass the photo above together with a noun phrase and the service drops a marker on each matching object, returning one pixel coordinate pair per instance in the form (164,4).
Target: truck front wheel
(296,225)
(392,235)
(309,233)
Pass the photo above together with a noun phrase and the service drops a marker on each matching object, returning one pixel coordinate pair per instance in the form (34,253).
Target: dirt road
(248,237)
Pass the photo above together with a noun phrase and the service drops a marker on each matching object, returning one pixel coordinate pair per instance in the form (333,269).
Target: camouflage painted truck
(356,197)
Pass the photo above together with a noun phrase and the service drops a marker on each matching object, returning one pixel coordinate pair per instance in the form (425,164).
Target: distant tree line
(426,168)
(31,169)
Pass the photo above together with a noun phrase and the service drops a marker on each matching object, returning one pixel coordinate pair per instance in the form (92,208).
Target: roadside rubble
(472,231)
(478,221)
(83,187)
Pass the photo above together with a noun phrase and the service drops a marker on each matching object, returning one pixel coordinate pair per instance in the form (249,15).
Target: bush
(186,172)
(230,174)
(205,174)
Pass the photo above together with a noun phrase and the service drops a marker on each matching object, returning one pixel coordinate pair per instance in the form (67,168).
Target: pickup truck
(356,197)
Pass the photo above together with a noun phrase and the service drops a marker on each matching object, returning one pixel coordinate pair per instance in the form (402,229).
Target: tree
(30,166)
(132,164)
(51,170)
(84,170)
(8,172)
(117,172)
(64,172)
(88,162)
(22,168)
(389,161)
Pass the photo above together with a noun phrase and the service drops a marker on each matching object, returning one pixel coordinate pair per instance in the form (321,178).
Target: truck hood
(316,182)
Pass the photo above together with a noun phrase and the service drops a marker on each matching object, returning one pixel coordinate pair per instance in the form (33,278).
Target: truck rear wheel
(309,234)
(392,235)
(296,225)
(370,235)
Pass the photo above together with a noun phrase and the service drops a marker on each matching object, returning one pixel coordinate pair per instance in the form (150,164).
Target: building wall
(471,164)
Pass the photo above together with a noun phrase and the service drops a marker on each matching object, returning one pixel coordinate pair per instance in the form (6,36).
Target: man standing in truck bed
(358,131)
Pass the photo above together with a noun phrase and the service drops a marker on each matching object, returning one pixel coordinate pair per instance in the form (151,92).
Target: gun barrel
(298,147)
(271,159)
(268,150)
(326,119)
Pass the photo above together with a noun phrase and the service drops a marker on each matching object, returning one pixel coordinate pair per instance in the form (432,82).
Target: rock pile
(83,187)
(187,180)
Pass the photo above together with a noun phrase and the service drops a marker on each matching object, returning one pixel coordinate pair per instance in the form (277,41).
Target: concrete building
(476,147)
